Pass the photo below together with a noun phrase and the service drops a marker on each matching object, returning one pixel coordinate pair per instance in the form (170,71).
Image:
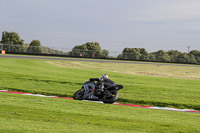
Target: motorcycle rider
(106,81)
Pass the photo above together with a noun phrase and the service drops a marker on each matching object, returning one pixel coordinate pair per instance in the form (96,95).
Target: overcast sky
(115,24)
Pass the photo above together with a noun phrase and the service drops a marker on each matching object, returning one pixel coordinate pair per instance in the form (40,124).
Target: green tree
(162,56)
(35,47)
(104,53)
(144,55)
(196,53)
(192,59)
(152,57)
(89,49)
(11,38)
(13,41)
(135,54)
(174,55)
(120,56)
(184,58)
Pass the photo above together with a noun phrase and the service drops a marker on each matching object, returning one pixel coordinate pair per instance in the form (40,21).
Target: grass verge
(38,76)
(20,113)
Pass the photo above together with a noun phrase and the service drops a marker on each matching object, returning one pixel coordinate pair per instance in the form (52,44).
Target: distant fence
(159,56)
(29,49)
(55,51)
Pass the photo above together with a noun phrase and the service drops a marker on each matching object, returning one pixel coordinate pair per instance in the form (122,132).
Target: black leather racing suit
(107,82)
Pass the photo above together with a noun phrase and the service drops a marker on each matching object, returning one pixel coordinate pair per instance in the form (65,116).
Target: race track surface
(91,60)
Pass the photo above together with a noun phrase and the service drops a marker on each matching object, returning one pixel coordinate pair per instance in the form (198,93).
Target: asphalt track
(92,60)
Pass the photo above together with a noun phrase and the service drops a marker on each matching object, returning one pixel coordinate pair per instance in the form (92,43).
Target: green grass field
(171,86)
(20,114)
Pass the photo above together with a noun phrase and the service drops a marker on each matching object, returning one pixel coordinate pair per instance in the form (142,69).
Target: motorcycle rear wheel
(111,99)
(78,95)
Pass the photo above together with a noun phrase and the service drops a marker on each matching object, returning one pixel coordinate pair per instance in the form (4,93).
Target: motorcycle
(95,90)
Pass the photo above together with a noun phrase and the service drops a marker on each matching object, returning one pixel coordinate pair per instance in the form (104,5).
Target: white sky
(115,24)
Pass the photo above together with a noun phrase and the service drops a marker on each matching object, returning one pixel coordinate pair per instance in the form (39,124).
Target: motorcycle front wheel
(78,95)
(111,98)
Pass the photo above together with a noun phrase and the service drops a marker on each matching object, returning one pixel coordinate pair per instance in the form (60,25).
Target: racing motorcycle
(95,90)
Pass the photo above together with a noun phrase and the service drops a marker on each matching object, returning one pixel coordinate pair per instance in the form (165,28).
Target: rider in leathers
(106,81)
(103,84)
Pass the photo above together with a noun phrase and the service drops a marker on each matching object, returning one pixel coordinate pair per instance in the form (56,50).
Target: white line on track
(132,105)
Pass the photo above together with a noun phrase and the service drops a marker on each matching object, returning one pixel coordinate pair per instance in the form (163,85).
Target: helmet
(104,76)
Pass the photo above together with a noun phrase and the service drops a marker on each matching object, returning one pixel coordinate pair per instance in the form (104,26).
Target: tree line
(171,56)
(89,49)
(13,43)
